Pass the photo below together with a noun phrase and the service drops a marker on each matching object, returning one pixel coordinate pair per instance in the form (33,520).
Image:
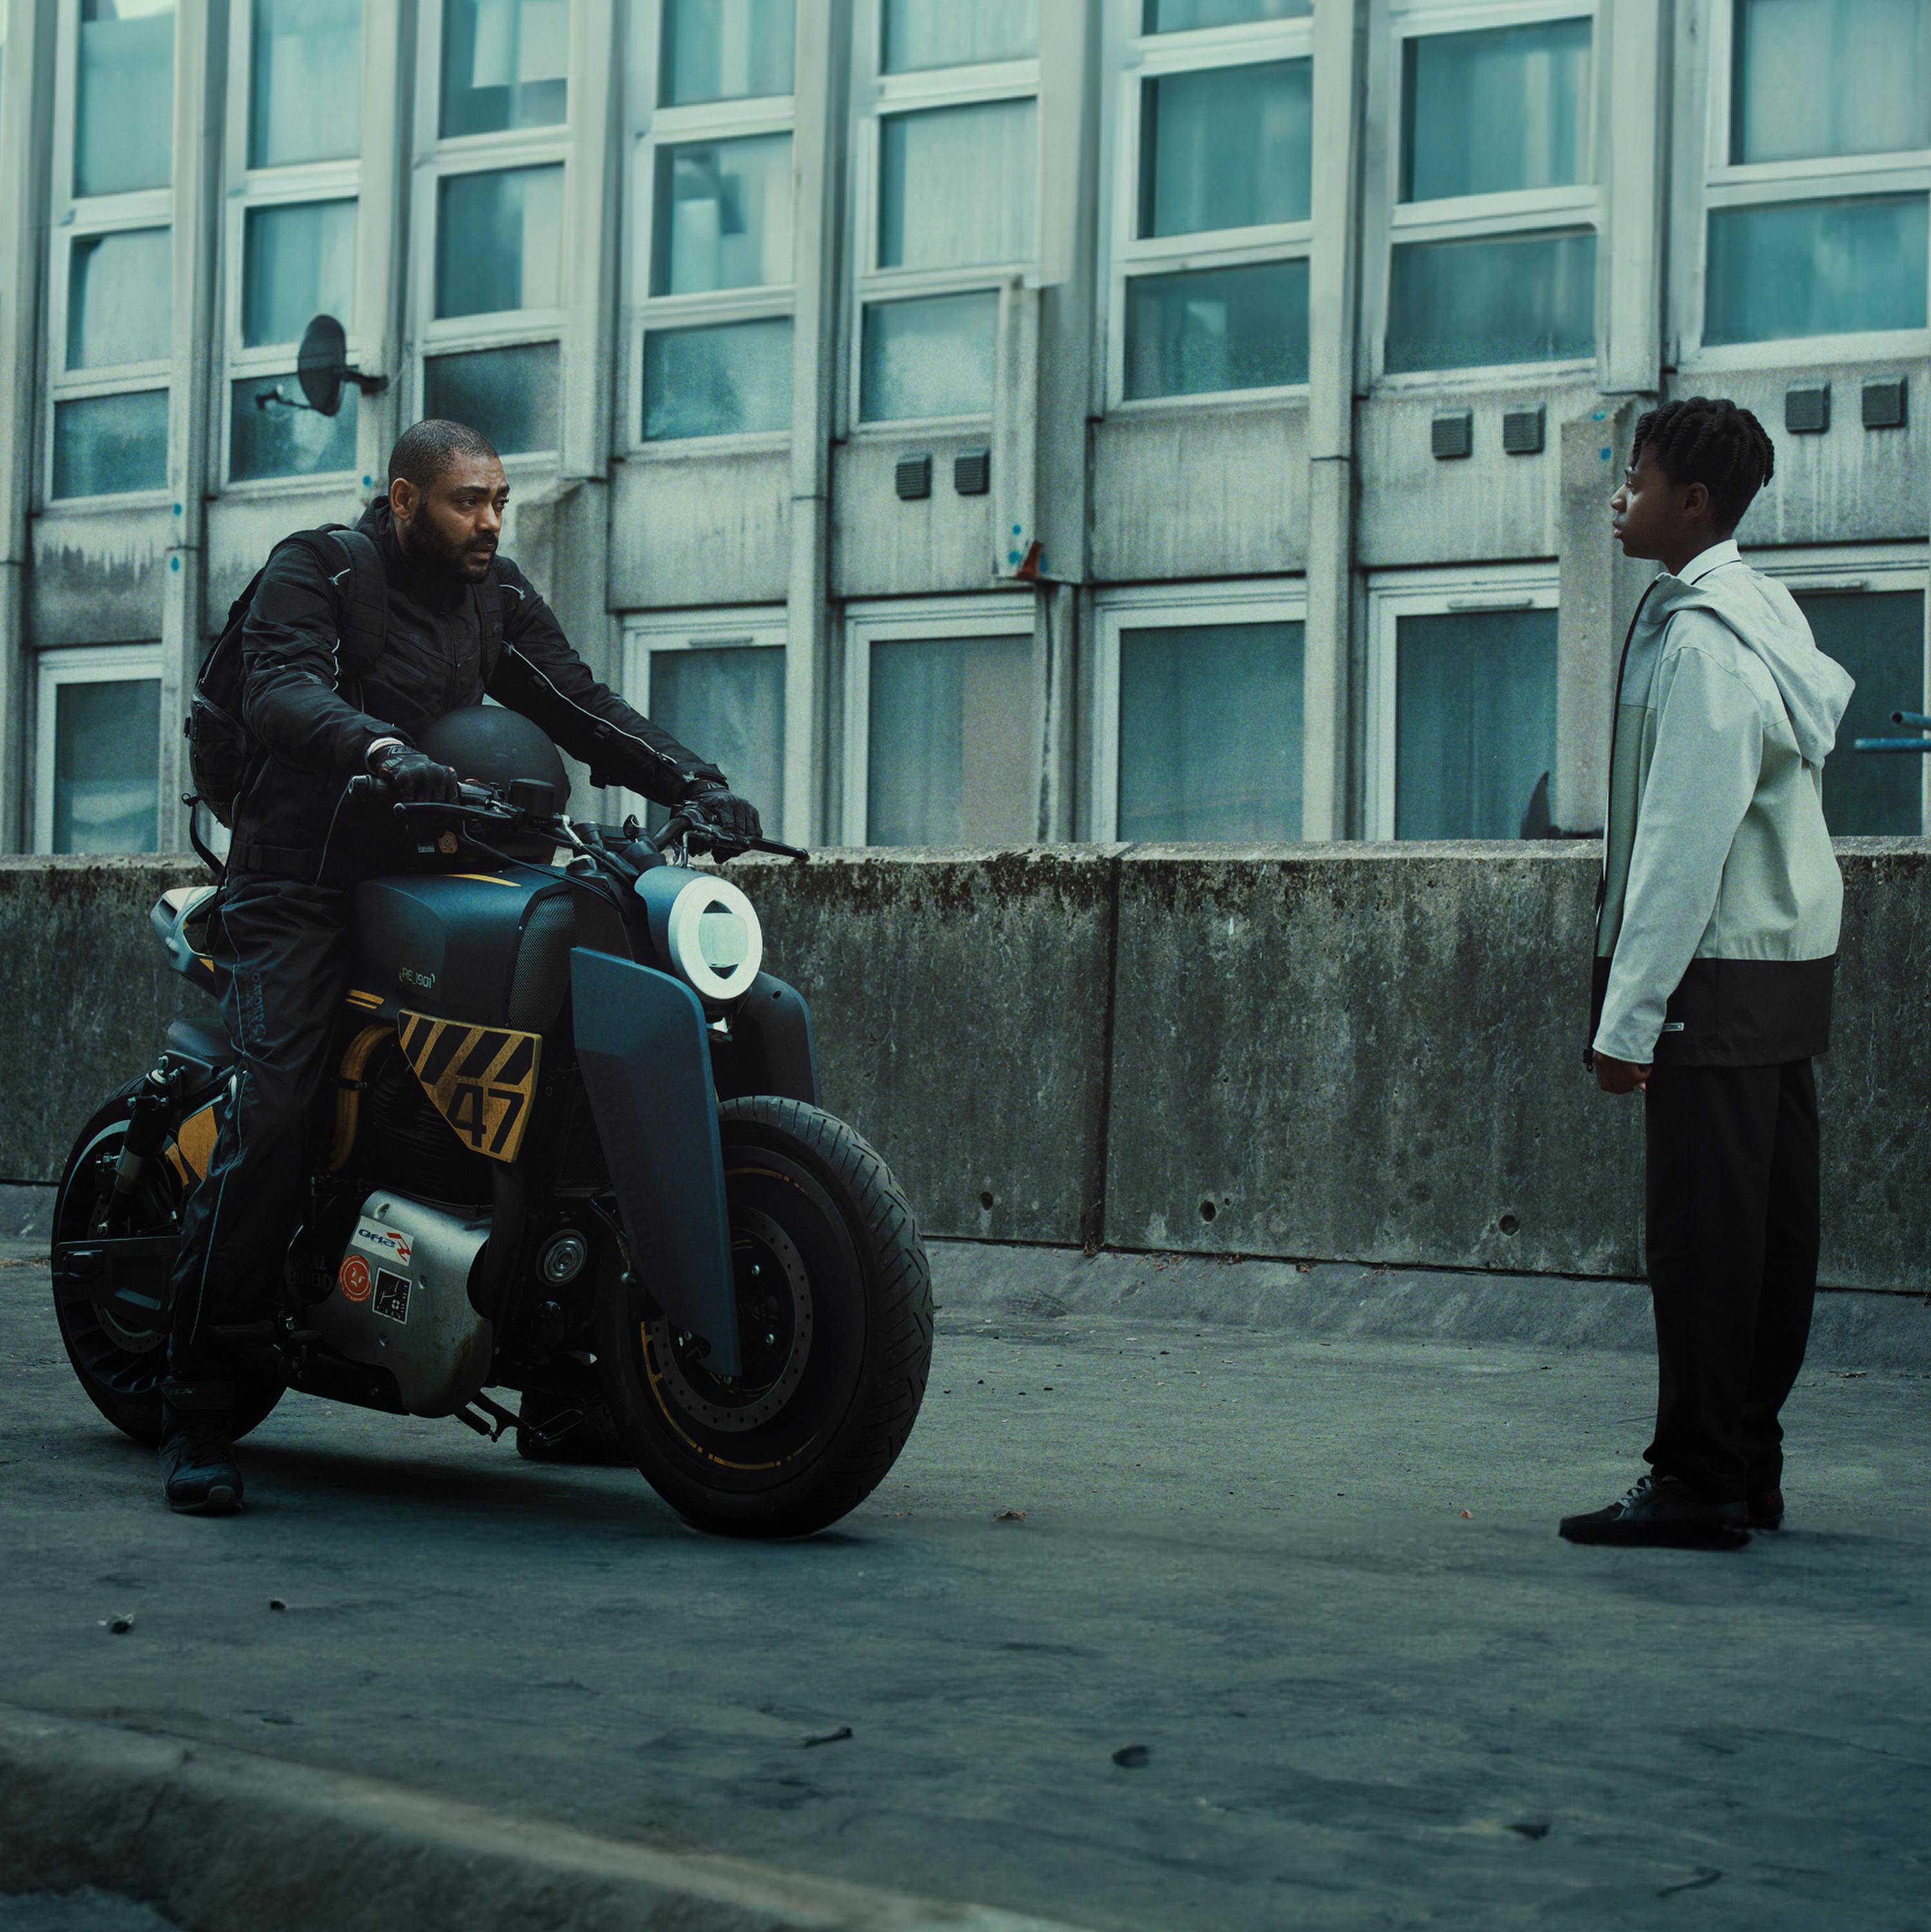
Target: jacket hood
(1765,619)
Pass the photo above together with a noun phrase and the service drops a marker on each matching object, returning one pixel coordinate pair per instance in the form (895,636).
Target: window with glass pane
(1210,732)
(106,777)
(124,97)
(1217,328)
(924,34)
(499,241)
(1817,77)
(1505,299)
(1475,721)
(957,186)
(1188,16)
(1818,268)
(722,217)
(953,750)
(305,82)
(1495,112)
(726,50)
(931,357)
(297,261)
(506,395)
(1228,147)
(119,299)
(1878,638)
(278,442)
(506,64)
(731,379)
(728,705)
(110,446)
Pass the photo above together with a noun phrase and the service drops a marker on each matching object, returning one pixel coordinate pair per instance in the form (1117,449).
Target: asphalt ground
(1154,1626)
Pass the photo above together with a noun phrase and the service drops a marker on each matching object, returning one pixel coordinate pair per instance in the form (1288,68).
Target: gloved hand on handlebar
(413,777)
(716,807)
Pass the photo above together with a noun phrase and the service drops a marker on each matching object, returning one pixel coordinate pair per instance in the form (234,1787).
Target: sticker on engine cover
(391,1294)
(353,1279)
(384,1240)
(482,1079)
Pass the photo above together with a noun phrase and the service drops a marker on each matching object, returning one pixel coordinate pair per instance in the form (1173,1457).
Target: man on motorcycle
(301,842)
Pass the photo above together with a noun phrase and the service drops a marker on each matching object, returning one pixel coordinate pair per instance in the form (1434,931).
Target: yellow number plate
(482,1079)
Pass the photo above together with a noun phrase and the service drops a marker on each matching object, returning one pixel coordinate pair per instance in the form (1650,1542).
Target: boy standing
(1715,944)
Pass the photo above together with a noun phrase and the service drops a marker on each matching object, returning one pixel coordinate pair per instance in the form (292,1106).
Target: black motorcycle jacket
(294,818)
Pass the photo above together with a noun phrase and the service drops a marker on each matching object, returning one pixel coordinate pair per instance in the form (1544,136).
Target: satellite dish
(322,367)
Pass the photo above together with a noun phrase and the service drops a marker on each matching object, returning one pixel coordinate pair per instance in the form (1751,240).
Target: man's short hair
(1708,440)
(426,449)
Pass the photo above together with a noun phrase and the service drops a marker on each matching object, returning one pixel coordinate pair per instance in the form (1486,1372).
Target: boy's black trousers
(1731,1198)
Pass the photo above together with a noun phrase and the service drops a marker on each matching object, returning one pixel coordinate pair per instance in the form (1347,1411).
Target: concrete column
(1070,95)
(812,738)
(25,81)
(1599,590)
(1634,109)
(587,404)
(200,74)
(1340,28)
(382,227)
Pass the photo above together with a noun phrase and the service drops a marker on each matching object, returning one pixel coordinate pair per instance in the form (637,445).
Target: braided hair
(1709,440)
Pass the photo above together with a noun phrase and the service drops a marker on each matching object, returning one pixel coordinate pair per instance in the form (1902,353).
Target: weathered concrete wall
(1346,1052)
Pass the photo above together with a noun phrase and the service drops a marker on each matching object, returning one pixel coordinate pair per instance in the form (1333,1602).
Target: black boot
(198,1471)
(1662,1511)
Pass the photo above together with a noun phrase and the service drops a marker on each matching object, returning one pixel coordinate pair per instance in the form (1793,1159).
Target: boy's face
(1659,520)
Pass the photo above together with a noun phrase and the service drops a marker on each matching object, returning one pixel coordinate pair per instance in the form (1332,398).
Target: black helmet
(488,745)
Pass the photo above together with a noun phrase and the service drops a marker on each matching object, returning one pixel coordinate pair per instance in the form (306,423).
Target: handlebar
(486,801)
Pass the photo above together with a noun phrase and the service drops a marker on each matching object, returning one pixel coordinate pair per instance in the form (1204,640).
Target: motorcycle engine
(400,1132)
(399,1301)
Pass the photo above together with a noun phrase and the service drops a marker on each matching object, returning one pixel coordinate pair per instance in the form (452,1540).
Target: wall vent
(913,478)
(1524,431)
(972,472)
(1452,434)
(1886,405)
(1806,408)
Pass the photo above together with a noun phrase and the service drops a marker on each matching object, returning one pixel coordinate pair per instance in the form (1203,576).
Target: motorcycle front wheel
(121,1367)
(834,1315)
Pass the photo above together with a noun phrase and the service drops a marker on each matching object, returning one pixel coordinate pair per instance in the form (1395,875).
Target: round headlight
(715,939)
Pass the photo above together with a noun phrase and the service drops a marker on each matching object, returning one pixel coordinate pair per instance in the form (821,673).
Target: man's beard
(428,547)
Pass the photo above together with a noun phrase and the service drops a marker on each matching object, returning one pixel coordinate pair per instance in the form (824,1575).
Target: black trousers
(287,950)
(1731,1196)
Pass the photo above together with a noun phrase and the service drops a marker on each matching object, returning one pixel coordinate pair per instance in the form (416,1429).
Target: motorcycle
(575,1154)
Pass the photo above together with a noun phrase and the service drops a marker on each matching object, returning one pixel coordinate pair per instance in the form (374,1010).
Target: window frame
(1519,212)
(755,626)
(1171,607)
(1130,58)
(648,126)
(1428,592)
(875,96)
(80,664)
(74,218)
(435,159)
(1864,569)
(1725,185)
(246,189)
(915,619)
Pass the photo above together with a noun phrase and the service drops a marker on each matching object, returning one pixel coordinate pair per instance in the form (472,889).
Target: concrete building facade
(974,421)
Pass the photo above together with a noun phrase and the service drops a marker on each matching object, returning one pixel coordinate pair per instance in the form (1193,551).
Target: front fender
(645,1053)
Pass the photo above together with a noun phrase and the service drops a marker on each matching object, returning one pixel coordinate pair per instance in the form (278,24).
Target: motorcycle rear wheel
(121,1369)
(834,1313)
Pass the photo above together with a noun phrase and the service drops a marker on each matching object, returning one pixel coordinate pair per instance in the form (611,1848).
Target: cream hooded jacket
(1717,934)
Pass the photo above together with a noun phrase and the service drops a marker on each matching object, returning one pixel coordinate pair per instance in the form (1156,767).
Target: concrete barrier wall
(1352,1052)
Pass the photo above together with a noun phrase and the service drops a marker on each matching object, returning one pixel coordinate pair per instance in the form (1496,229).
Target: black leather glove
(414,778)
(720,809)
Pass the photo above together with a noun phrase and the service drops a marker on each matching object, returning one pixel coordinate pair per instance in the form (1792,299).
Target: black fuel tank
(492,948)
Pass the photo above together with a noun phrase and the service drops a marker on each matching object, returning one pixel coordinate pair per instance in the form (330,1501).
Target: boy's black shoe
(1766,1509)
(198,1472)
(1662,1512)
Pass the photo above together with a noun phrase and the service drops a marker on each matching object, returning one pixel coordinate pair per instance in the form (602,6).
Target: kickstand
(493,1422)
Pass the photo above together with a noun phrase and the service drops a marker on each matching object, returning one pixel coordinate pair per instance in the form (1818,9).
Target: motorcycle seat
(203,1043)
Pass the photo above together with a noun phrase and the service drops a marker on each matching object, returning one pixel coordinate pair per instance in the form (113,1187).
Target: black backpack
(219,746)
